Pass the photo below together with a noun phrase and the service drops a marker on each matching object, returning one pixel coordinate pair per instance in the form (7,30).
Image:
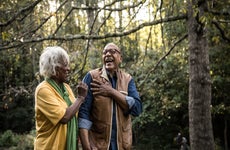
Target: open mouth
(109,59)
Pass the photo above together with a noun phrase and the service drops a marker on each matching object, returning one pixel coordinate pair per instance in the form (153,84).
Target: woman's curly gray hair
(50,58)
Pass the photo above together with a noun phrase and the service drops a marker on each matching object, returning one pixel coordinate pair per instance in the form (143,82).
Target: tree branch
(94,37)
(109,9)
(13,18)
(162,58)
(46,19)
(222,32)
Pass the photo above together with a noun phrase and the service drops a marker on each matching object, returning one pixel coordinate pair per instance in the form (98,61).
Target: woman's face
(62,72)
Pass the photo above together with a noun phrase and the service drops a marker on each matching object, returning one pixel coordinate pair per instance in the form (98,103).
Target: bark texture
(200,124)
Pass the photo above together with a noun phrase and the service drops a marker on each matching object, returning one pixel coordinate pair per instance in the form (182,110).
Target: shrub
(8,139)
(13,141)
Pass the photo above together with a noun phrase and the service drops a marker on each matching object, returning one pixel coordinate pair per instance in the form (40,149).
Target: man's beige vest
(102,111)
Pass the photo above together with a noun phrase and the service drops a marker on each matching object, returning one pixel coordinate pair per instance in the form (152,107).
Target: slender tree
(200,125)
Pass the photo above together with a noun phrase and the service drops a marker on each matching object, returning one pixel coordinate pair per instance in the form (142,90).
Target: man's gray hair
(112,44)
(50,58)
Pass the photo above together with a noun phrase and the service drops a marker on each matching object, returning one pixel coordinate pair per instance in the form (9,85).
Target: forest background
(177,52)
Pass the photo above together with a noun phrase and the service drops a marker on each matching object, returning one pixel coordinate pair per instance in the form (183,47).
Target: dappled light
(176,51)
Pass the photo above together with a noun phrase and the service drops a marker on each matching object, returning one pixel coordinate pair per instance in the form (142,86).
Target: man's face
(111,58)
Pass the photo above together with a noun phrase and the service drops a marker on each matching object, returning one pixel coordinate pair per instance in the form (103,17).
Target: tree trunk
(226,133)
(200,124)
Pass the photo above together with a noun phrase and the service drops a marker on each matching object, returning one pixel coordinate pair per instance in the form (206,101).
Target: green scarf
(72,124)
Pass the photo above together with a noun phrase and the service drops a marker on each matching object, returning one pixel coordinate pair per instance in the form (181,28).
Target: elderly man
(105,116)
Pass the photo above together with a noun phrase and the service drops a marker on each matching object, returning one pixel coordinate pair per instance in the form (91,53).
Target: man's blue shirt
(133,100)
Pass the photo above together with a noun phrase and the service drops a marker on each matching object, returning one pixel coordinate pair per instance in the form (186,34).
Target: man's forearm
(84,137)
(120,98)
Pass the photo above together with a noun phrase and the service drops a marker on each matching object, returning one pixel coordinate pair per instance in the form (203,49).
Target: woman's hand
(82,89)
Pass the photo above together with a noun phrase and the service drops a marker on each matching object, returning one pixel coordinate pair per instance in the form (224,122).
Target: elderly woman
(56,107)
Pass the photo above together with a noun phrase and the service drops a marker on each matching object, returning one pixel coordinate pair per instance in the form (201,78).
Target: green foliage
(7,139)
(12,141)
(26,141)
(164,93)
(16,99)
(220,73)
(130,52)
(165,101)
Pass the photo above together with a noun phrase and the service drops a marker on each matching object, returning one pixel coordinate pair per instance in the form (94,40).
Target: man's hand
(101,88)
(82,89)
(106,89)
